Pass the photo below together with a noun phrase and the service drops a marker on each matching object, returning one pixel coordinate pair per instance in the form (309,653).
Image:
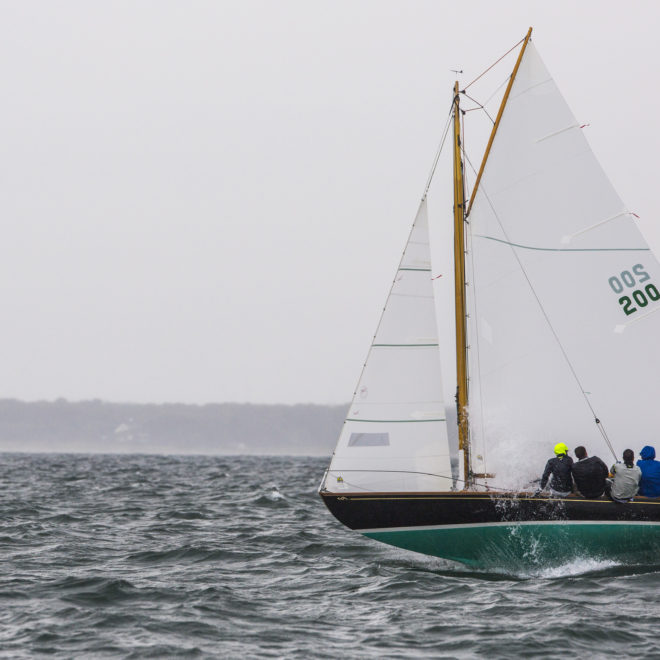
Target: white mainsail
(564,309)
(395,436)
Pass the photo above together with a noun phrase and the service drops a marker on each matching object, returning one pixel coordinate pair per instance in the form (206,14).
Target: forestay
(395,435)
(563,291)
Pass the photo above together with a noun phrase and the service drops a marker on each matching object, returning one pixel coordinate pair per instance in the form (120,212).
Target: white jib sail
(564,294)
(395,435)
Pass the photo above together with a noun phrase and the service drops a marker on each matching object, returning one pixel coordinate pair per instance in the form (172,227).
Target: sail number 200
(640,296)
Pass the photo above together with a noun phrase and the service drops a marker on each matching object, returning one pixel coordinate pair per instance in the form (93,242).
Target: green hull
(530,543)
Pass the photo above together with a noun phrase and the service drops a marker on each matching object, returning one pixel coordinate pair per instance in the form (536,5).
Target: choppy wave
(155,556)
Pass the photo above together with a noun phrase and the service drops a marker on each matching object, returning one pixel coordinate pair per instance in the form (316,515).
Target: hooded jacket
(650,483)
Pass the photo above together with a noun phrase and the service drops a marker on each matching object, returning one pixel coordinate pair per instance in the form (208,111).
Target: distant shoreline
(224,429)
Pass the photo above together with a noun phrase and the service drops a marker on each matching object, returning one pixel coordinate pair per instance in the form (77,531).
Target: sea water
(233,557)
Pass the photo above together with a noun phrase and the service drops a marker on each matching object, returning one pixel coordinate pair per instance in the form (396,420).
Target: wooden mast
(459,284)
(460,214)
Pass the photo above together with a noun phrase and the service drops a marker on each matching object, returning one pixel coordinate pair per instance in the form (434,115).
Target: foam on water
(578,566)
(274,494)
(575,567)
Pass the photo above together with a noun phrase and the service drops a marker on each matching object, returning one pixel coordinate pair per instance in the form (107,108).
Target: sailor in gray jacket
(626,476)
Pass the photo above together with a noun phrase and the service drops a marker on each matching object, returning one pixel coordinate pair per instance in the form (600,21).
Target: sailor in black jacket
(559,468)
(589,474)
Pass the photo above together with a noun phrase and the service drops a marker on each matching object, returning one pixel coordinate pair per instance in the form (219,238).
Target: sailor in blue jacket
(650,483)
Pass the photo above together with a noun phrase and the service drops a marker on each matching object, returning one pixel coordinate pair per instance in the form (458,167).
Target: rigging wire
(480,107)
(424,474)
(490,98)
(439,151)
(483,73)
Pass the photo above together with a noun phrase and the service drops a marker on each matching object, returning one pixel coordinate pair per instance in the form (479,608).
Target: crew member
(626,476)
(589,474)
(650,483)
(559,468)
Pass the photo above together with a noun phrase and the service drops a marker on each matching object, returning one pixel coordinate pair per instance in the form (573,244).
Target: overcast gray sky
(206,201)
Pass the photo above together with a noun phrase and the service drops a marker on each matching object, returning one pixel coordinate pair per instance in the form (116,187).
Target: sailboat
(557,327)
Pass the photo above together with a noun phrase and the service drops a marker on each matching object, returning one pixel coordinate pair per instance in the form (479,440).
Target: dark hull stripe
(387,511)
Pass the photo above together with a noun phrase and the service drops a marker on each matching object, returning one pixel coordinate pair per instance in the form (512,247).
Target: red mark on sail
(585,125)
(436,277)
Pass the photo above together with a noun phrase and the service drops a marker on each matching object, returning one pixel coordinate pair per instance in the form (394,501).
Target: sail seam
(527,89)
(395,421)
(410,295)
(559,132)
(403,345)
(546,249)
(620,328)
(569,238)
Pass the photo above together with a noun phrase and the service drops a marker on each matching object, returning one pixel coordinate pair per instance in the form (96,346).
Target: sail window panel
(416,442)
(369,439)
(408,320)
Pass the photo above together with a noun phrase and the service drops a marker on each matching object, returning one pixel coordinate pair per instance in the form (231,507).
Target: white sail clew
(395,436)
(564,302)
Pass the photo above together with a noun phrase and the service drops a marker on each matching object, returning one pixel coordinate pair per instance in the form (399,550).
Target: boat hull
(494,530)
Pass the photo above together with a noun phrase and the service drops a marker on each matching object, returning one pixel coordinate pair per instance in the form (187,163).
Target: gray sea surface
(236,557)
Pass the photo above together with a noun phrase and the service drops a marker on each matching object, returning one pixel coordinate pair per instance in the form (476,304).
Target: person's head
(647,453)
(580,453)
(561,449)
(628,457)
